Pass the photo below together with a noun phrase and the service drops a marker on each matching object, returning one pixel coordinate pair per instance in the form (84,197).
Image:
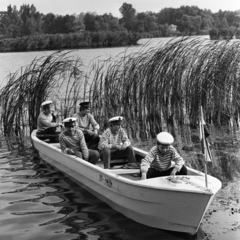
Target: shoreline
(222,219)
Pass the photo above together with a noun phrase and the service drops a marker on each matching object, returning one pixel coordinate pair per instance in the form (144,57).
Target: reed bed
(155,89)
(163,88)
(56,77)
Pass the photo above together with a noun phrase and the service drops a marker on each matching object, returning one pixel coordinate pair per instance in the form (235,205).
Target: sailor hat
(85,104)
(165,138)
(117,118)
(69,120)
(46,103)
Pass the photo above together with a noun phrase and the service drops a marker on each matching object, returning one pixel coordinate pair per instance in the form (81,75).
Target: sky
(63,7)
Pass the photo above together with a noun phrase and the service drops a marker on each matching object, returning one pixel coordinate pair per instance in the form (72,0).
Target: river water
(12,62)
(39,202)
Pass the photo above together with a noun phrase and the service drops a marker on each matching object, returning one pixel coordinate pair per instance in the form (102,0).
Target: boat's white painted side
(154,202)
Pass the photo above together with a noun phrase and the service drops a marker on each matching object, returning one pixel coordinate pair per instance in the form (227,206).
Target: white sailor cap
(46,103)
(115,119)
(165,138)
(69,120)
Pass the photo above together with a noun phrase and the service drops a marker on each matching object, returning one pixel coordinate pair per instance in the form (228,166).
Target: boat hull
(156,202)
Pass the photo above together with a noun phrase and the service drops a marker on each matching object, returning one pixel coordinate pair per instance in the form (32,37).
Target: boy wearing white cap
(158,162)
(72,142)
(114,143)
(86,122)
(46,123)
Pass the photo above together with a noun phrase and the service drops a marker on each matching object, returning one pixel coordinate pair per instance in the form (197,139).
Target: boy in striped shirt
(72,142)
(114,143)
(158,162)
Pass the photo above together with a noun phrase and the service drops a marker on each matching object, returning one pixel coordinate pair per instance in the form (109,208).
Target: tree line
(91,30)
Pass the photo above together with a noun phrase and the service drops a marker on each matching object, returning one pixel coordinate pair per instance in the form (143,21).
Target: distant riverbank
(68,41)
(81,40)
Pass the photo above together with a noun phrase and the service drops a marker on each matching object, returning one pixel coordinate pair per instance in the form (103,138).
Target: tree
(48,24)
(10,24)
(89,22)
(140,22)
(100,24)
(151,22)
(231,18)
(69,24)
(31,20)
(224,23)
(128,16)
(196,24)
(112,23)
(207,22)
(164,28)
(79,24)
(165,16)
(146,22)
(185,24)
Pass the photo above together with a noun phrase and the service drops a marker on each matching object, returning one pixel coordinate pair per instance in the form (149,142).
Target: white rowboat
(156,202)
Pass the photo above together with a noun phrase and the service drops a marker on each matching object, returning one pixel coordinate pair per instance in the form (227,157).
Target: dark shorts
(152,173)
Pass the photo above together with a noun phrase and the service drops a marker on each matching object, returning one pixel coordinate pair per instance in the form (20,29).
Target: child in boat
(46,123)
(158,162)
(72,142)
(88,125)
(114,143)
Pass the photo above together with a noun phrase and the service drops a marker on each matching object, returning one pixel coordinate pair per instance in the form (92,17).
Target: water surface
(39,202)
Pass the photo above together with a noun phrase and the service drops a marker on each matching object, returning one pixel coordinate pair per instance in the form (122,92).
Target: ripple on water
(38,202)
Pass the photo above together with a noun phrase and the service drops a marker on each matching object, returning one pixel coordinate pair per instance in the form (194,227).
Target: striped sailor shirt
(76,142)
(86,122)
(108,139)
(161,162)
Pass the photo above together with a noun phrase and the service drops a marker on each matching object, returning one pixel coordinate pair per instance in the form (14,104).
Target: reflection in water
(227,158)
(39,202)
